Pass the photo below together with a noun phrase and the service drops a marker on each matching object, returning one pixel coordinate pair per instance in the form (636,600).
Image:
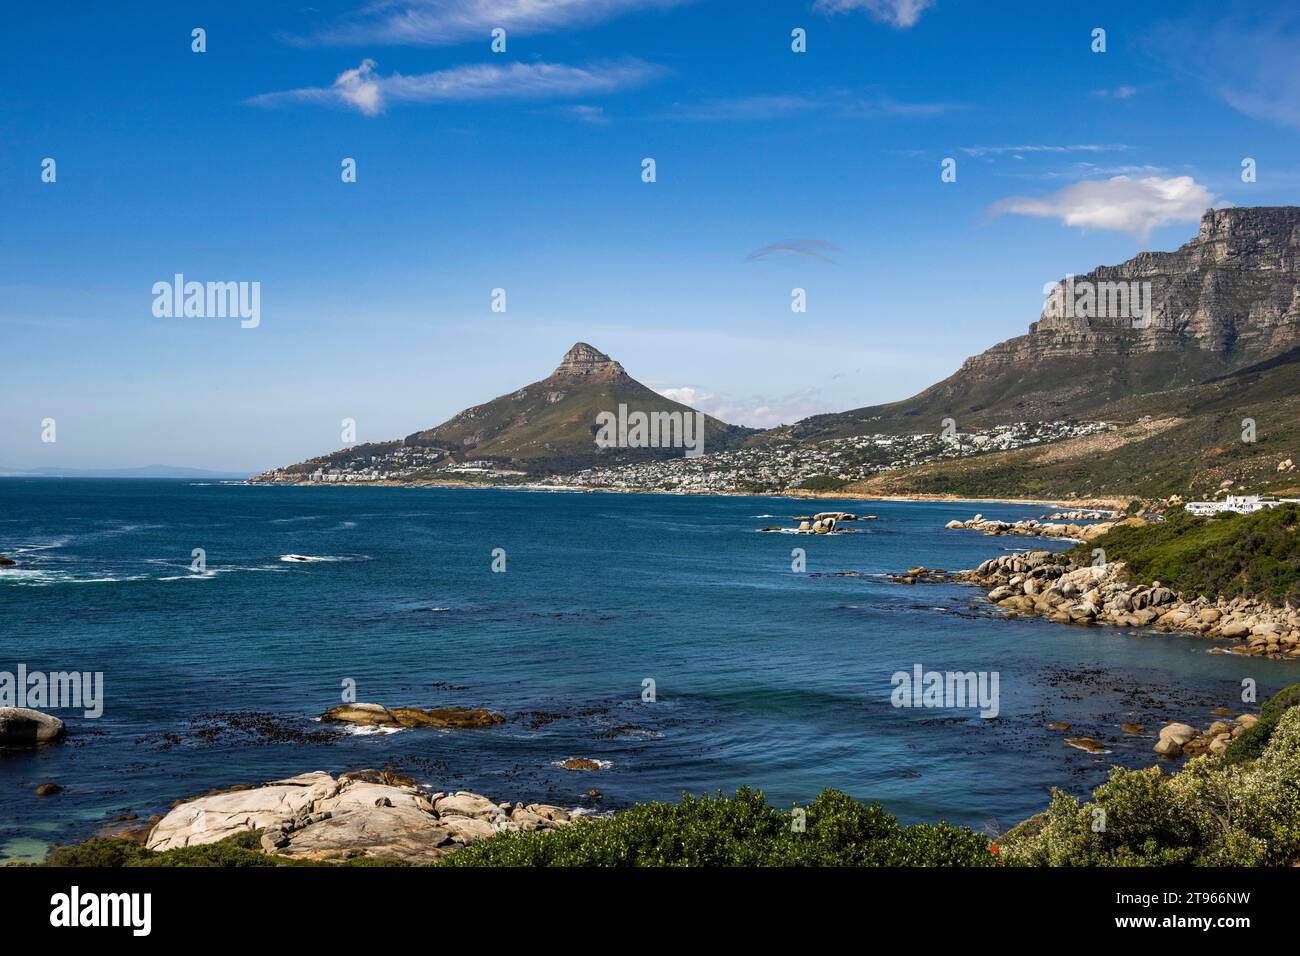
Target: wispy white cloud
(1247,60)
(1119,92)
(777,106)
(1043,148)
(743,108)
(1120,203)
(585,113)
(897,13)
(447,22)
(1093,170)
(810,248)
(756,411)
(364,89)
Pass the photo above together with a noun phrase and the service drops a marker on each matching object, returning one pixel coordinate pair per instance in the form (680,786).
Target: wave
(39,577)
(358,730)
(319,558)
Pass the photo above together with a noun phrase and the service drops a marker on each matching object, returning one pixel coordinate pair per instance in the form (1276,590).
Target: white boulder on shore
(1035,584)
(315,816)
(24,727)
(1032,528)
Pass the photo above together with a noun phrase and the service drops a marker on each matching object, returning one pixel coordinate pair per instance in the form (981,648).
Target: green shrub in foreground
(737,831)
(1252,742)
(1211,813)
(242,849)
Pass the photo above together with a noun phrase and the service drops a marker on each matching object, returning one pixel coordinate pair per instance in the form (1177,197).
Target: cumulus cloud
(1120,203)
(756,411)
(811,248)
(897,13)
(364,89)
(445,22)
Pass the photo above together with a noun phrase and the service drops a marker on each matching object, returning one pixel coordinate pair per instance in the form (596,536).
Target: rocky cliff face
(585,365)
(1135,338)
(1233,293)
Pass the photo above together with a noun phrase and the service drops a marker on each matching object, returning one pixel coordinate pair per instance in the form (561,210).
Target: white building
(1241,504)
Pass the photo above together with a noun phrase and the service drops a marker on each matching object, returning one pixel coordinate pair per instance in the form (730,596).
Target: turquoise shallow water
(763,676)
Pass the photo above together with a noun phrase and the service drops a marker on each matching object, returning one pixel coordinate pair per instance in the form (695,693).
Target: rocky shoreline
(1032,527)
(363,813)
(1035,584)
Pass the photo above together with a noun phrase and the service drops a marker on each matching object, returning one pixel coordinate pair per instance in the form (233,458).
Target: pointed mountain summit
(548,427)
(585,364)
(551,425)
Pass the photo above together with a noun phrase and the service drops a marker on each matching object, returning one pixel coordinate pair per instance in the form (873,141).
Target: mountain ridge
(1213,340)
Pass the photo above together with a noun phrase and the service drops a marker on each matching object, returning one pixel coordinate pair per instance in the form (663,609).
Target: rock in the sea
(376,715)
(580,763)
(48,789)
(23,727)
(6,562)
(1090,744)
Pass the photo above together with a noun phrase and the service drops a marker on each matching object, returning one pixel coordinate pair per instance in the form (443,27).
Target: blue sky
(522,170)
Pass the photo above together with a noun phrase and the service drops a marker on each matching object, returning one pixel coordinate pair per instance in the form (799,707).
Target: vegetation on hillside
(243,849)
(1232,555)
(1229,810)
(742,830)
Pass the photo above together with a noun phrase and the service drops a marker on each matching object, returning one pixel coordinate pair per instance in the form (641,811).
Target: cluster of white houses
(1241,504)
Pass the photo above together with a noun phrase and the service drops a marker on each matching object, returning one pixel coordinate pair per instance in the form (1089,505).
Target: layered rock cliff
(1233,292)
(1225,301)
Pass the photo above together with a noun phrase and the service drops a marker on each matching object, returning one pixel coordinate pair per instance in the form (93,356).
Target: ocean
(761,676)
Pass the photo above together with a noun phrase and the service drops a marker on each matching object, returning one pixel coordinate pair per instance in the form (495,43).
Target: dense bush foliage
(243,849)
(737,831)
(823,483)
(1214,812)
(1232,555)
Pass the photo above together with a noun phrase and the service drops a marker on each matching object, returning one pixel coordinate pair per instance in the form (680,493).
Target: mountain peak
(584,363)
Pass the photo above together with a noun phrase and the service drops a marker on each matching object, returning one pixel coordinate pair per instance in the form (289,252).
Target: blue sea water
(763,676)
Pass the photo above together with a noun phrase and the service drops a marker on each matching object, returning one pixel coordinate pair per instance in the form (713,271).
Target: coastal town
(767,467)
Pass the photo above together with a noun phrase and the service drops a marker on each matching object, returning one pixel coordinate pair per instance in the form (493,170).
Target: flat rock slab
(363,813)
(377,715)
(400,832)
(212,818)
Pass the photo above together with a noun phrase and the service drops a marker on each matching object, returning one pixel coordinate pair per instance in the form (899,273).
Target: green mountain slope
(548,427)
